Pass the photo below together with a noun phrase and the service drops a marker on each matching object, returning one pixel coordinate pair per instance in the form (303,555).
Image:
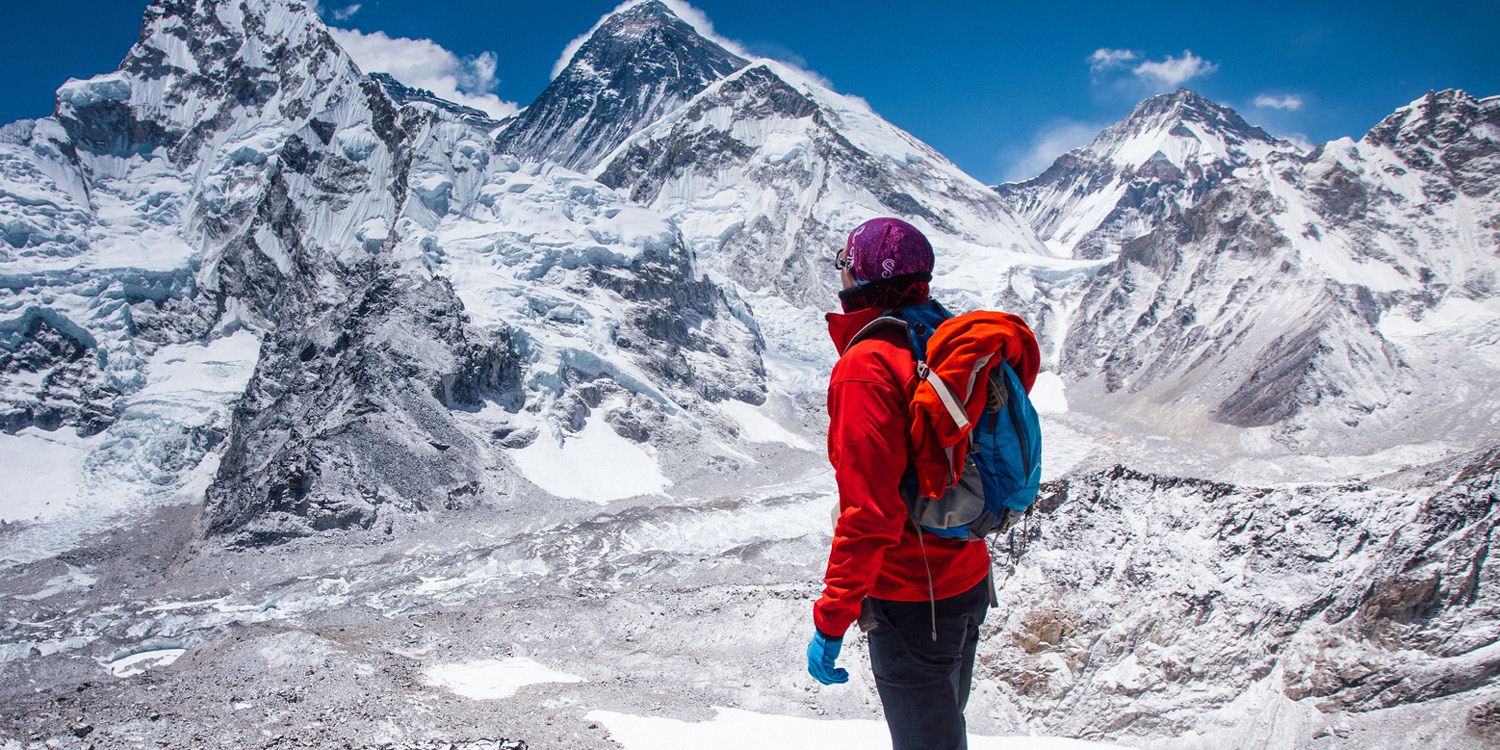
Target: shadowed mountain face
(638,65)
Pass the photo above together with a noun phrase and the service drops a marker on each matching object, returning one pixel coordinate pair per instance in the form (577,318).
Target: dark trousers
(924,684)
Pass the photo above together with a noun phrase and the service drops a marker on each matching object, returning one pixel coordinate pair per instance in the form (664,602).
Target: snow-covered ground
(490,679)
(673,623)
(733,729)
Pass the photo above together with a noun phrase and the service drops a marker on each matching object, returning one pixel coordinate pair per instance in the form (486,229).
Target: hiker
(919,598)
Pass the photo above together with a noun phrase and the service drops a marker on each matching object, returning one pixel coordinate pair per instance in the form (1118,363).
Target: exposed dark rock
(53,377)
(324,441)
(639,64)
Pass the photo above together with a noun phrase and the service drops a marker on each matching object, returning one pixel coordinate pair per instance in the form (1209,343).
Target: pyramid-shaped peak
(653,29)
(1187,105)
(641,20)
(634,66)
(1182,116)
(649,12)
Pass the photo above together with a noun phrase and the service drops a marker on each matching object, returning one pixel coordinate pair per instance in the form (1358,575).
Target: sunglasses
(840,260)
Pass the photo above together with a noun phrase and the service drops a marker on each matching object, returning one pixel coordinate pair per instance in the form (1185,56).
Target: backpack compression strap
(945,394)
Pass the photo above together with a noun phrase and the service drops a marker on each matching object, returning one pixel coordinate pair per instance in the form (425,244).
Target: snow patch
(757,427)
(492,679)
(114,87)
(194,373)
(356,142)
(42,472)
(594,464)
(132,663)
(1049,395)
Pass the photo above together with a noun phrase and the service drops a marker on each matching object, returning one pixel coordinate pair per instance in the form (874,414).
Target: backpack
(994,462)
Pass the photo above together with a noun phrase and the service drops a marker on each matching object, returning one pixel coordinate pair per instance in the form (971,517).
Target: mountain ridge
(609,90)
(1156,162)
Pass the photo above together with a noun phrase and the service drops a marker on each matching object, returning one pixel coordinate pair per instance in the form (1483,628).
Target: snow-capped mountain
(1156,163)
(766,172)
(239,179)
(1344,299)
(403,95)
(638,64)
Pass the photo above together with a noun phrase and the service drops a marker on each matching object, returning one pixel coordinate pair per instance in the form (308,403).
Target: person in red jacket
(919,598)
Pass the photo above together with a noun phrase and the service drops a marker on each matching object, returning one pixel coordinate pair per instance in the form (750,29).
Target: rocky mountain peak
(403,95)
(640,22)
(647,43)
(638,64)
(1446,126)
(1157,162)
(201,66)
(1182,126)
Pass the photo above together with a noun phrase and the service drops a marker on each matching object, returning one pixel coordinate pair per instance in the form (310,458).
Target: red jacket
(875,549)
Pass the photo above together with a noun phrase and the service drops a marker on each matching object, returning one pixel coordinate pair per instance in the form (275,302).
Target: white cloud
(1288,102)
(1051,142)
(1172,72)
(425,64)
(1168,72)
(1104,59)
(338,14)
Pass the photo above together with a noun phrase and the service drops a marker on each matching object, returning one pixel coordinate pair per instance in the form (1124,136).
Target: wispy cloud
(1052,141)
(423,63)
(1300,140)
(1172,72)
(337,14)
(1287,102)
(1105,59)
(1168,72)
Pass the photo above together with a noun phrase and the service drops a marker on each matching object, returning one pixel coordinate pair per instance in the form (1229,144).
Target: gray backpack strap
(875,326)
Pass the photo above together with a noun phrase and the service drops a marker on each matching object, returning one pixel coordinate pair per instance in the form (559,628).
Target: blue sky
(1000,87)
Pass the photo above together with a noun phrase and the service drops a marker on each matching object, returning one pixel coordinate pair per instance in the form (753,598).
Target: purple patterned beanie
(884,248)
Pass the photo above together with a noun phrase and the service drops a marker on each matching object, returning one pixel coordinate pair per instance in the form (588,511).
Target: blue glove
(821,654)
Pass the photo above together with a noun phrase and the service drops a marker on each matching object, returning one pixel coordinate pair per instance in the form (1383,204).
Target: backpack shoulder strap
(882,323)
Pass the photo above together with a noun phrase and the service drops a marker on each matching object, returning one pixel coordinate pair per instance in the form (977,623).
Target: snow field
(138,663)
(757,426)
(493,679)
(595,464)
(42,472)
(734,729)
